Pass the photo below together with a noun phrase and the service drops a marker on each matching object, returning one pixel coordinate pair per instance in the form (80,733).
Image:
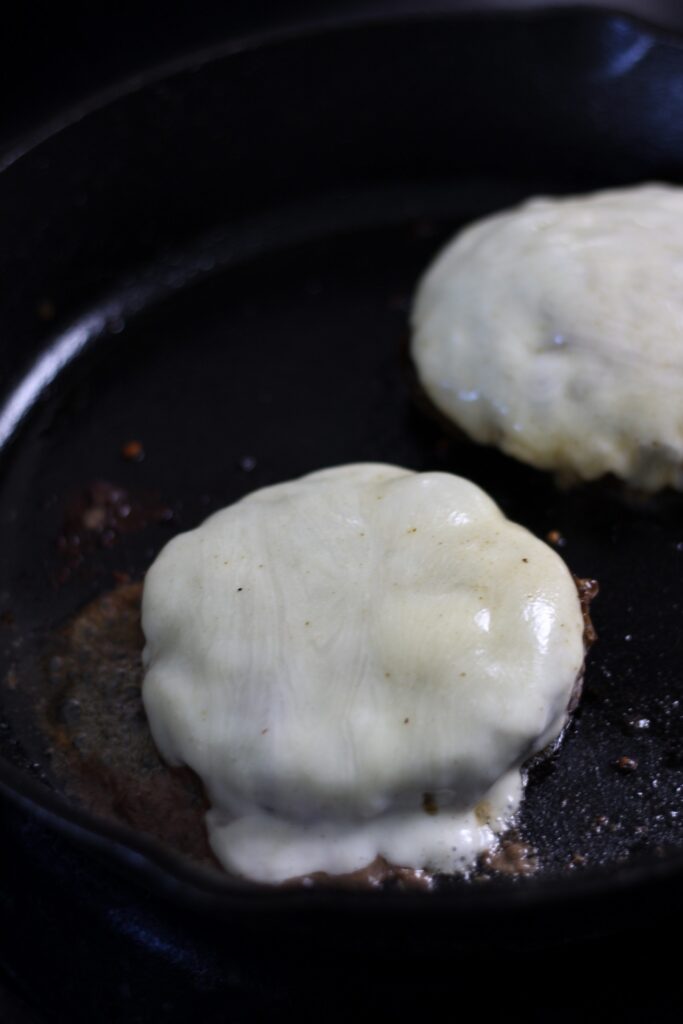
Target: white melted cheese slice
(555,330)
(338,655)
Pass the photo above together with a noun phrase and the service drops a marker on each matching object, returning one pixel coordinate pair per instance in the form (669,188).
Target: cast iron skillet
(217,260)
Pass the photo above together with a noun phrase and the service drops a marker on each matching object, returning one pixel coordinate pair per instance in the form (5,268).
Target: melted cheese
(555,330)
(339,655)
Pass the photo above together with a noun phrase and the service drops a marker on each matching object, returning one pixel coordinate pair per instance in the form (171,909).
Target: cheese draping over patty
(356,663)
(555,330)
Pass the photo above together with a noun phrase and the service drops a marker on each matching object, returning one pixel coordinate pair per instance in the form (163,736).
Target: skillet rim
(26,143)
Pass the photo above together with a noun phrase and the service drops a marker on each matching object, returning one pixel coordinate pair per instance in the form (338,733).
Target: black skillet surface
(219,263)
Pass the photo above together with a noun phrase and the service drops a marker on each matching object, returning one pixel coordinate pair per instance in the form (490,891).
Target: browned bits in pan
(512,858)
(97,516)
(588,590)
(133,451)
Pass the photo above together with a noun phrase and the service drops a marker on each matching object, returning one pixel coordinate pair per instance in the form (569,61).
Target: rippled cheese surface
(555,330)
(339,655)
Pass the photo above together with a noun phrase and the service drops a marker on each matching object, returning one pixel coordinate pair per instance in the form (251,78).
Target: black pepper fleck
(429,804)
